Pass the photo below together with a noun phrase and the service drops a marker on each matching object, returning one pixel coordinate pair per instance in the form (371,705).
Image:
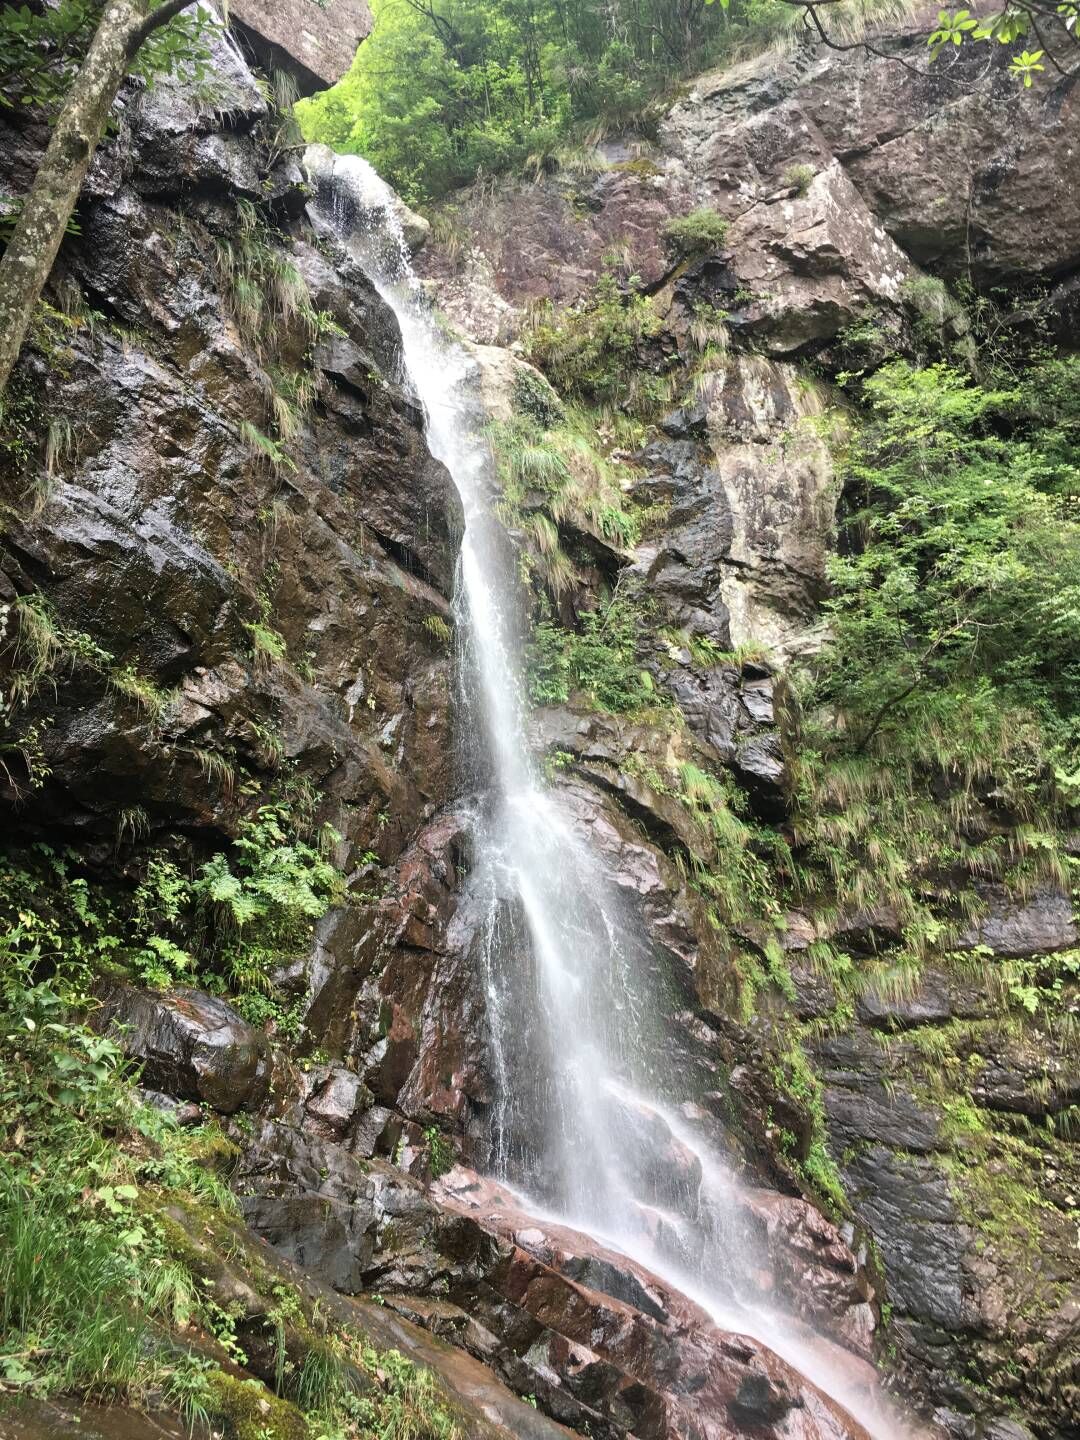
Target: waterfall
(587,1124)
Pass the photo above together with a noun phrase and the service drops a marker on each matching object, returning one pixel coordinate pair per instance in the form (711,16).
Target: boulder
(339,1097)
(316,50)
(813,1269)
(190,1045)
(814,262)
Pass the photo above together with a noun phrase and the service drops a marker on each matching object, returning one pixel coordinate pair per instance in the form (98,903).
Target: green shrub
(958,582)
(592,353)
(799,177)
(952,676)
(698,233)
(222,924)
(600,661)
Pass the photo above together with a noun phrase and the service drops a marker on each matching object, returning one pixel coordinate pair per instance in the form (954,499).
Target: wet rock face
(1013,929)
(974,1242)
(168,532)
(602,1345)
(190,1045)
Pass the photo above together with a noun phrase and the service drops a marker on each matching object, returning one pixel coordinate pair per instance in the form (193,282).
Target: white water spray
(585,1123)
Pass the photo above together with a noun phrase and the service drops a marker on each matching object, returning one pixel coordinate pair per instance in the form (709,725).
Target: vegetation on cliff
(441,92)
(108,1287)
(446,90)
(955,621)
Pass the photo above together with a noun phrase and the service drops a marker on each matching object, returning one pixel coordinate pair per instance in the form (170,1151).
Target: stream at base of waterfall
(589,1130)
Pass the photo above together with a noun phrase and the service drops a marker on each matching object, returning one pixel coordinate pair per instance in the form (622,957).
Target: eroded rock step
(599,1343)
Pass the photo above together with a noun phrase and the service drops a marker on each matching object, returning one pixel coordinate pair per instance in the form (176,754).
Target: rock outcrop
(314,40)
(828,165)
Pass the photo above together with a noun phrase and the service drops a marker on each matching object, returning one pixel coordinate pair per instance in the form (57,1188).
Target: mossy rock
(643,167)
(249,1411)
(534,397)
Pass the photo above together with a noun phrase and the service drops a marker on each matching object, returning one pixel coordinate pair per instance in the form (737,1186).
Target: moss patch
(250,1412)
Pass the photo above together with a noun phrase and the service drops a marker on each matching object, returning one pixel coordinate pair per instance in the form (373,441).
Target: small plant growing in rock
(798,178)
(437,627)
(440,1155)
(267,645)
(696,234)
(142,691)
(263,447)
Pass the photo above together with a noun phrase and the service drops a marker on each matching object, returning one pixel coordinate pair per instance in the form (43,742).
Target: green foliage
(42,48)
(794,1076)
(946,702)
(260,902)
(698,233)
(263,446)
(268,647)
(100,1285)
(553,471)
(1013,23)
(799,177)
(444,90)
(600,660)
(735,880)
(1041,985)
(593,352)
(147,696)
(440,1154)
(86,1275)
(222,924)
(267,644)
(438,629)
(960,575)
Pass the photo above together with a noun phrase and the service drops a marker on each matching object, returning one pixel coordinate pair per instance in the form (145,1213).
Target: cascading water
(586,1123)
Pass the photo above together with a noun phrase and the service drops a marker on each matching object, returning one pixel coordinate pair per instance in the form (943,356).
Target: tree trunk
(52,198)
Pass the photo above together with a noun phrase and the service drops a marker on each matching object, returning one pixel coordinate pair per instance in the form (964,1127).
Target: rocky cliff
(226,575)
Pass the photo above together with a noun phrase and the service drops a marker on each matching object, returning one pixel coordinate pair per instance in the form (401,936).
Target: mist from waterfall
(587,1123)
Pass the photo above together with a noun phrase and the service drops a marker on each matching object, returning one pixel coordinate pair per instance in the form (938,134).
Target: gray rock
(759,762)
(191,1045)
(284,35)
(1016,928)
(860,1107)
(333,1107)
(684,567)
(814,262)
(1022,1086)
(929,1005)
(815,995)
